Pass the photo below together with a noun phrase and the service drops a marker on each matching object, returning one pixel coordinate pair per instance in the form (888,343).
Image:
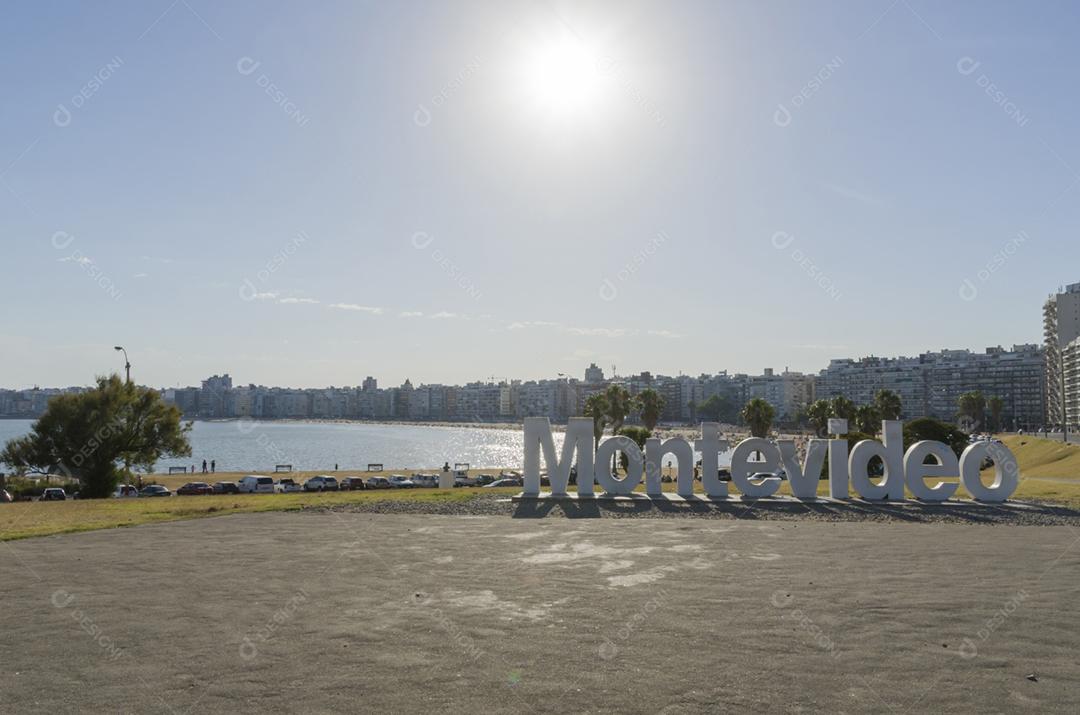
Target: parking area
(416,613)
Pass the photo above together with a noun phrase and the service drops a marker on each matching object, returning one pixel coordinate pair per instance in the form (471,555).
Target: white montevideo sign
(902,469)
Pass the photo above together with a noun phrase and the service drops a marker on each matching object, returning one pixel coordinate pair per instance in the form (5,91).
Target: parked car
(482,480)
(193,488)
(226,488)
(778,474)
(5,497)
(400,481)
(503,483)
(288,485)
(255,484)
(125,491)
(349,484)
(378,483)
(155,490)
(54,494)
(425,480)
(462,479)
(320,483)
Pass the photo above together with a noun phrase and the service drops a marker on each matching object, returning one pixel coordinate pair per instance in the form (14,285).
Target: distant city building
(930,385)
(593,374)
(1061,329)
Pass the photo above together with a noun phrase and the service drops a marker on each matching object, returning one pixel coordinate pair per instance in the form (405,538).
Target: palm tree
(819,413)
(619,406)
(973,406)
(866,419)
(888,405)
(758,415)
(842,408)
(997,406)
(596,406)
(651,405)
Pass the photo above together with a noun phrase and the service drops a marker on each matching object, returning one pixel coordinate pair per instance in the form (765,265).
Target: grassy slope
(25,519)
(1050,472)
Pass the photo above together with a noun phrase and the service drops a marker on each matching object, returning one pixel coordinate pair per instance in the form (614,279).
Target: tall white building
(1061,327)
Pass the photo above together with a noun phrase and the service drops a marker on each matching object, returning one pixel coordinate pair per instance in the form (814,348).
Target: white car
(287,485)
(400,481)
(126,491)
(255,484)
(321,483)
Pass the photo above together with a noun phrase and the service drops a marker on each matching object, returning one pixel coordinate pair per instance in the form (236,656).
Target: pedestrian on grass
(204,466)
(213,465)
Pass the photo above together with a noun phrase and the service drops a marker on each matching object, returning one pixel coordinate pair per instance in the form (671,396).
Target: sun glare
(561,79)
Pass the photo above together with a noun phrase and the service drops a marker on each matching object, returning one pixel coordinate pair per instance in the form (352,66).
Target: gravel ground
(1020,514)
(422,613)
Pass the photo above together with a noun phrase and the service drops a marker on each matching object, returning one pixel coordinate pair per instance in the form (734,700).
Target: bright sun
(561,79)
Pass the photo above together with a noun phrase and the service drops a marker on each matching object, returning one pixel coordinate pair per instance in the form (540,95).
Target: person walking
(204,466)
(213,465)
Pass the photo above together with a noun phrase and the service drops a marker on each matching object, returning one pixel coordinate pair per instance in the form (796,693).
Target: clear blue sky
(480,187)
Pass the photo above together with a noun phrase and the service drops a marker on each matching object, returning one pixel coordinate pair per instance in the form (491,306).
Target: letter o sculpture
(602,465)
(1006,471)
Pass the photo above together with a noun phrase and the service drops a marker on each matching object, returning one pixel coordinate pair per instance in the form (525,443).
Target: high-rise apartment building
(1061,327)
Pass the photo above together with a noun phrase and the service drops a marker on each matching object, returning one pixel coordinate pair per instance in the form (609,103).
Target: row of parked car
(259,484)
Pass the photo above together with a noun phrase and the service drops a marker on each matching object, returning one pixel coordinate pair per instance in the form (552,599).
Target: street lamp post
(127,363)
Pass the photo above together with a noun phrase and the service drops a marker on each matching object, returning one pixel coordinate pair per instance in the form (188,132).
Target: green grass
(26,519)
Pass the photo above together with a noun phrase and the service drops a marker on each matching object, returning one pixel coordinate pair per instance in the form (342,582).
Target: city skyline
(929,385)
(304,194)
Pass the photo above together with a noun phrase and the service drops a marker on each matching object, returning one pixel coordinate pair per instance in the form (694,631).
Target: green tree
(94,436)
(596,406)
(758,415)
(997,407)
(888,405)
(717,408)
(973,406)
(651,405)
(639,435)
(927,428)
(866,419)
(842,408)
(818,414)
(619,406)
